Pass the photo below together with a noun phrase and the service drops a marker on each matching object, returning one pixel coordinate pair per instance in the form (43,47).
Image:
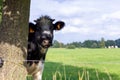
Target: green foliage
(57,44)
(94,45)
(70,47)
(76,44)
(110,43)
(102,43)
(88,44)
(117,42)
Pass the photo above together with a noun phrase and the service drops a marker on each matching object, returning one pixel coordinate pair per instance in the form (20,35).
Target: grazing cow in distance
(39,40)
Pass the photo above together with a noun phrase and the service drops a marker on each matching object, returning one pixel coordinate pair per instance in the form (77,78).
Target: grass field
(82,64)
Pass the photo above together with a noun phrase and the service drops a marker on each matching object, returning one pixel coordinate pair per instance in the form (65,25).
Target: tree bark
(13,38)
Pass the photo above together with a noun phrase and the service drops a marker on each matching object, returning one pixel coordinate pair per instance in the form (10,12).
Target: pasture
(82,64)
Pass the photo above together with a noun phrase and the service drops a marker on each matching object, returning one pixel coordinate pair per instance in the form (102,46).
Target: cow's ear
(59,25)
(32,28)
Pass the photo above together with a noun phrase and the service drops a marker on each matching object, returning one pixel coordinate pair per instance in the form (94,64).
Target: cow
(39,40)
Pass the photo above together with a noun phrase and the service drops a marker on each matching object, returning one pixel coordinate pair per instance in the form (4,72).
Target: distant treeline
(88,44)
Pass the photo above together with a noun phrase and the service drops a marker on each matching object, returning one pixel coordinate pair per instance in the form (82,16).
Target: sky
(84,19)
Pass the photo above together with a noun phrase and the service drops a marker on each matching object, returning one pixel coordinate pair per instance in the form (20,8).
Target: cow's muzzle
(46,40)
(46,43)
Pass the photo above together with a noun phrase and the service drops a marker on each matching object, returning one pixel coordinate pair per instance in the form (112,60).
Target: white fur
(46,32)
(36,70)
(38,74)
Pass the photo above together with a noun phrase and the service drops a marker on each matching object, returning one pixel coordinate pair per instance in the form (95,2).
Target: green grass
(29,77)
(82,64)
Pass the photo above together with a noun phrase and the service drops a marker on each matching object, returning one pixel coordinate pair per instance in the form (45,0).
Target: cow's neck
(37,66)
(40,64)
(37,55)
(40,56)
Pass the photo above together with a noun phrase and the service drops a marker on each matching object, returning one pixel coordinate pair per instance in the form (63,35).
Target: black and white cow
(39,40)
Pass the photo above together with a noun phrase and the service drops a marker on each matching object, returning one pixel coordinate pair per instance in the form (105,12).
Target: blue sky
(85,19)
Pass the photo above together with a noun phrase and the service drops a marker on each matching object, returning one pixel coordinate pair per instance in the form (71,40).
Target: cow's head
(43,30)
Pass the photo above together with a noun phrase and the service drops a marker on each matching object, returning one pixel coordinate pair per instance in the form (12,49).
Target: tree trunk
(13,38)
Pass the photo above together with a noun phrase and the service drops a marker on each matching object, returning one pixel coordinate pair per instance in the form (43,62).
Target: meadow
(82,64)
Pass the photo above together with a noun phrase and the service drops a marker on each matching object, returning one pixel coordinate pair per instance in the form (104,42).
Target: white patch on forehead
(46,32)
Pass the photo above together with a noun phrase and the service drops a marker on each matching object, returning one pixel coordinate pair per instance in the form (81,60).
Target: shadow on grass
(58,71)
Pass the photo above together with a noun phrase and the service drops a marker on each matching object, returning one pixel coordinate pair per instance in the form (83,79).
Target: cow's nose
(45,42)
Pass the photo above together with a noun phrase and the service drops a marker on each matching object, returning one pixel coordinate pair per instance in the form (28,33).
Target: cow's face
(44,30)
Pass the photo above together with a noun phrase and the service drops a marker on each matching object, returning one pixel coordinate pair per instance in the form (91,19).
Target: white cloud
(70,29)
(84,17)
(77,21)
(113,30)
(78,30)
(113,15)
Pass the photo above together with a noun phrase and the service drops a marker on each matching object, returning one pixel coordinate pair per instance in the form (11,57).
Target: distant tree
(110,43)
(117,42)
(90,44)
(94,45)
(102,43)
(76,44)
(87,44)
(61,45)
(70,46)
(57,44)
